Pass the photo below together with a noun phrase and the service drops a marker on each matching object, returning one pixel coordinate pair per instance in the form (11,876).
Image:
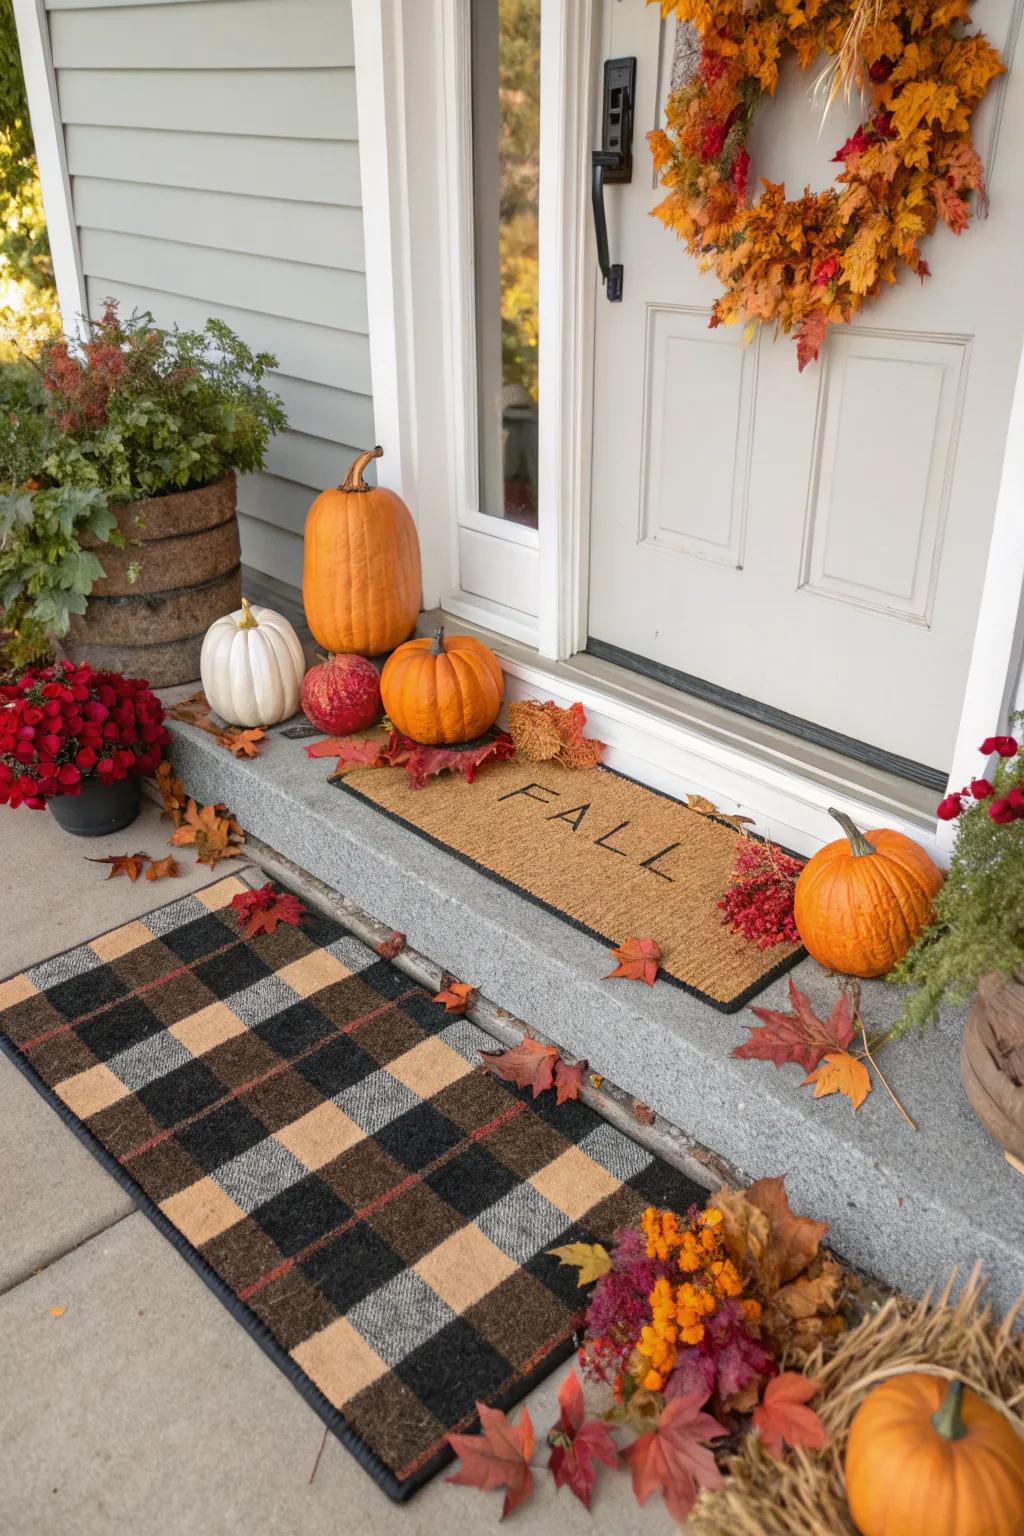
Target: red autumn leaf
(568,1080)
(672,1459)
(391,946)
(163,869)
(457,996)
(799,1036)
(422,763)
(130,864)
(576,1443)
(528,1064)
(243,743)
(260,911)
(810,337)
(350,751)
(782,1416)
(498,1457)
(638,960)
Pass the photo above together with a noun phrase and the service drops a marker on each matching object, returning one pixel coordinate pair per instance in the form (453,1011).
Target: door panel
(816,541)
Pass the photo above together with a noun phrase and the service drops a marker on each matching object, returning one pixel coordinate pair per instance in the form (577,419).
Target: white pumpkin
(252,667)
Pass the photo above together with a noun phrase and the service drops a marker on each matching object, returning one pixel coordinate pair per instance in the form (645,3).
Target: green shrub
(979,912)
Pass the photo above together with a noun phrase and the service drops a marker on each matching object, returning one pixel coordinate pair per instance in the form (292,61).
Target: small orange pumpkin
(442,690)
(361,566)
(926,1457)
(861,901)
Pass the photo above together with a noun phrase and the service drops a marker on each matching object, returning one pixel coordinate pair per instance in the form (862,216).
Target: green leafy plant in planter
(131,414)
(979,912)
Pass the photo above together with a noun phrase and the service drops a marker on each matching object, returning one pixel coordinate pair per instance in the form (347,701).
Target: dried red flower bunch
(64,724)
(759,901)
(1002,808)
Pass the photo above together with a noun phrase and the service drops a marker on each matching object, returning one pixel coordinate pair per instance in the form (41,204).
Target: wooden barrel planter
(185,553)
(992,1060)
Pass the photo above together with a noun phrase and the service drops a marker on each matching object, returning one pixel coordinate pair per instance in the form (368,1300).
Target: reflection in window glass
(506,158)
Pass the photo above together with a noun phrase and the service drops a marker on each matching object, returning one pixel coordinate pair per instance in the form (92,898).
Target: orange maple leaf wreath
(811,262)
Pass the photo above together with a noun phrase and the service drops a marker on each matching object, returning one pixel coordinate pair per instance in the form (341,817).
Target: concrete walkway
(144,1407)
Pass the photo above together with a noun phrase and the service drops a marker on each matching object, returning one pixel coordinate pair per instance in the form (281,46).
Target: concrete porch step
(903,1205)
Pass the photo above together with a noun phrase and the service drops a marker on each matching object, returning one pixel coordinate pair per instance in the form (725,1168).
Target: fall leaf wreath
(811,262)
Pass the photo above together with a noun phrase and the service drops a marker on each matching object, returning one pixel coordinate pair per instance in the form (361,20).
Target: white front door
(813,542)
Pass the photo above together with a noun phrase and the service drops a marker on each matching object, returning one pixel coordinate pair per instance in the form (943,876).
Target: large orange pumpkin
(862,901)
(926,1457)
(361,566)
(442,690)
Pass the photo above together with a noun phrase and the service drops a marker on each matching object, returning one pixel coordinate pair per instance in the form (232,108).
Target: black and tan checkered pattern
(370,1204)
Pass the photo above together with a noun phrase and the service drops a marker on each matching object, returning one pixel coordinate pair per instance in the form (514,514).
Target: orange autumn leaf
(130,864)
(841,1073)
(57,1311)
(457,996)
(172,792)
(391,946)
(243,743)
(498,1457)
(673,1459)
(528,1064)
(638,960)
(163,869)
(214,836)
(783,1418)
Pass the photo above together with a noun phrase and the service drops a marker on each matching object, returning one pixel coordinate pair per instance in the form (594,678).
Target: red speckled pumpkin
(342,695)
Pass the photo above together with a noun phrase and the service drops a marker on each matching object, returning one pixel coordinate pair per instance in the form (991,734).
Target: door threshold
(682,744)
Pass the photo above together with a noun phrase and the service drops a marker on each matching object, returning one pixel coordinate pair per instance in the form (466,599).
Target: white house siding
(212,149)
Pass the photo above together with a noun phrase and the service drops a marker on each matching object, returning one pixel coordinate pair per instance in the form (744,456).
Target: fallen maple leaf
(390,947)
(547,732)
(799,1036)
(163,869)
(568,1080)
(841,1073)
(243,743)
(422,763)
(498,1457)
(172,792)
(193,710)
(261,910)
(130,864)
(350,752)
(213,835)
(782,1416)
(57,1311)
(763,1235)
(673,1458)
(528,1064)
(457,996)
(591,1259)
(638,960)
(643,1114)
(576,1443)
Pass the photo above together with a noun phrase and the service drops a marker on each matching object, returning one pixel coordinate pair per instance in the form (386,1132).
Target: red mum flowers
(1003,808)
(63,725)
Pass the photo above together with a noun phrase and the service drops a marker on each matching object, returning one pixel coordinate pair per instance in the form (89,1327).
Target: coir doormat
(610,855)
(319,1140)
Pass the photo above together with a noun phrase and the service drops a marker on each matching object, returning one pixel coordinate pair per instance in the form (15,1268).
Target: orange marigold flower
(653,1382)
(712,1217)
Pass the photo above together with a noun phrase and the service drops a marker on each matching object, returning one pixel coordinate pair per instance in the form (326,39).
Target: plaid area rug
(319,1140)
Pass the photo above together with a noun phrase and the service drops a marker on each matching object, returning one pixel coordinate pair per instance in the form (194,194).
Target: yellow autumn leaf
(591,1259)
(840,1073)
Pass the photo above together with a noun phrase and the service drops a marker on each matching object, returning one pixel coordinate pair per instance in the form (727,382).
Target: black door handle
(613,162)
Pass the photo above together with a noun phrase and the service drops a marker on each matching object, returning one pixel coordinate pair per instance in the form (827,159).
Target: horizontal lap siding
(212,148)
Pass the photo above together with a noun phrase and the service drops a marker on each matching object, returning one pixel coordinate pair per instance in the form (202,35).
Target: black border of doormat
(382,1474)
(733,1006)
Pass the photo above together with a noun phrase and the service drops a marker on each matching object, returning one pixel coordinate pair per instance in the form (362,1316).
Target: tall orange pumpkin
(442,690)
(926,1457)
(361,566)
(862,901)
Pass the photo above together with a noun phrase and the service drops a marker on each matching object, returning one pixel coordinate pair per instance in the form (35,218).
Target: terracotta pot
(99,809)
(187,551)
(992,1060)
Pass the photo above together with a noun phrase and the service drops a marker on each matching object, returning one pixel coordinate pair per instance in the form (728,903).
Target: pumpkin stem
(437,643)
(858,842)
(248,619)
(354,481)
(947,1420)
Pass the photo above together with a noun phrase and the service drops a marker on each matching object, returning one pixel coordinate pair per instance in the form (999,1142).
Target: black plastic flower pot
(99,809)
